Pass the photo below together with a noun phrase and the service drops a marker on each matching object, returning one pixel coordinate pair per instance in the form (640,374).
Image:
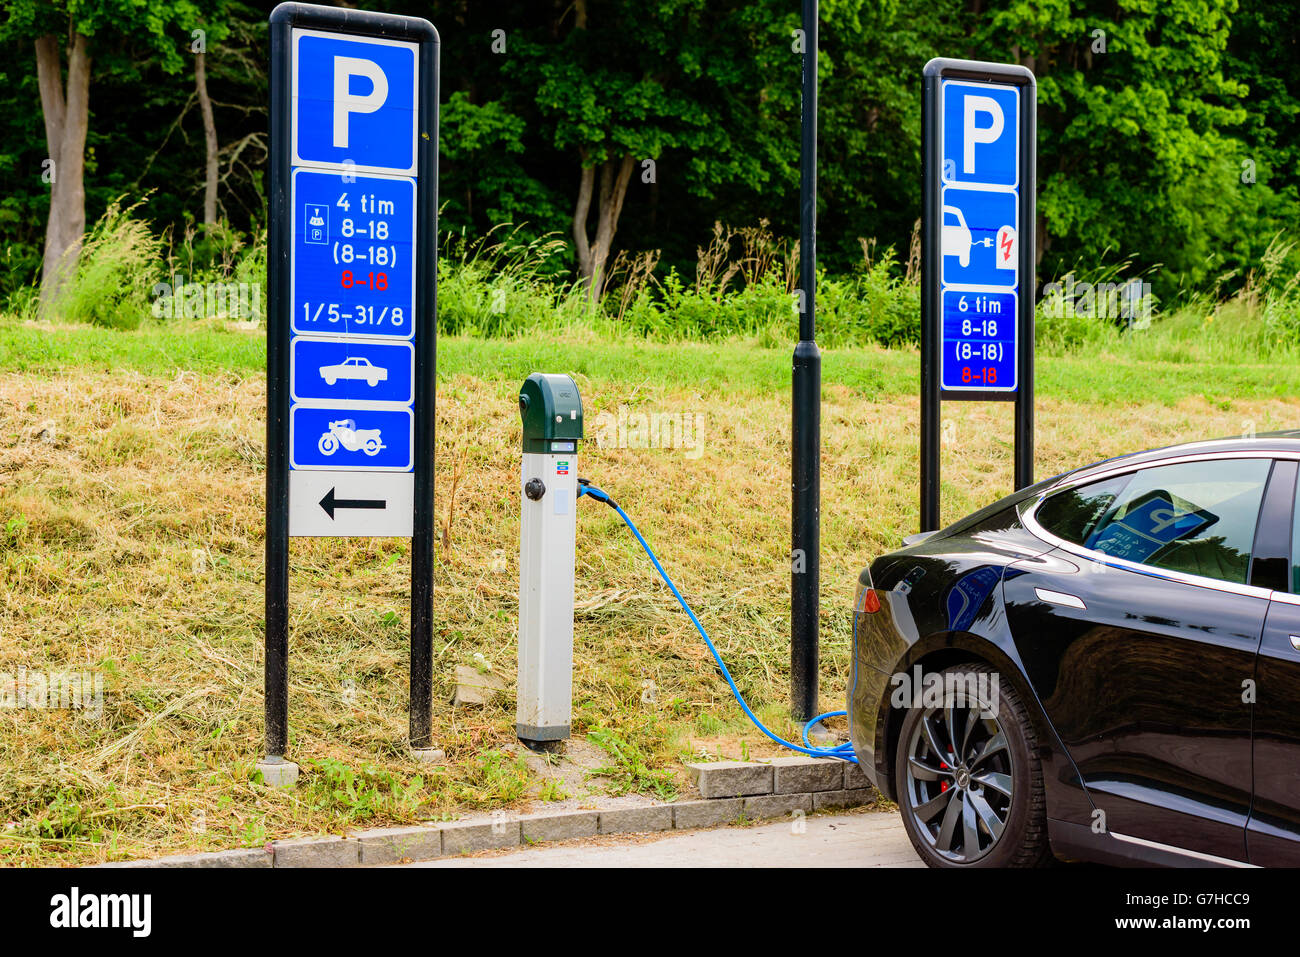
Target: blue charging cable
(842,751)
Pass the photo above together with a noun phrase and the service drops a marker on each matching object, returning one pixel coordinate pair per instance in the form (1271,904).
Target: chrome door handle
(1060,598)
(1295,642)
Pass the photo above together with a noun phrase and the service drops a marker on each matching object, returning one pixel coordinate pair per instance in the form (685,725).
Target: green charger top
(551,409)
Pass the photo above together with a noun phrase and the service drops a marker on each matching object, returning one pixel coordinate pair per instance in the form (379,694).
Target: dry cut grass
(131,547)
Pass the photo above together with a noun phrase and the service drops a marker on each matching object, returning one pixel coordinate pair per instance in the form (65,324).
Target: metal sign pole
(930,269)
(426,307)
(276,769)
(351,313)
(805,523)
(977,253)
(1024,467)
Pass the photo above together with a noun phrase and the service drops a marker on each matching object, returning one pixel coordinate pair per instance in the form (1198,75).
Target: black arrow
(329,503)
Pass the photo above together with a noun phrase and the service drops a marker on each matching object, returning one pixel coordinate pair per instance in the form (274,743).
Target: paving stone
(709,813)
(565,826)
(466,838)
(857,797)
(392,844)
(854,777)
(317,852)
(799,774)
(724,779)
(658,817)
(777,805)
(249,857)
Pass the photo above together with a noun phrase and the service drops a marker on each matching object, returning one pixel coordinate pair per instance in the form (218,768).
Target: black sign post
(806,388)
(351,315)
(979,168)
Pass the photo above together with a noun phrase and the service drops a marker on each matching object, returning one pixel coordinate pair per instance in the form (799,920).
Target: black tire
(944,789)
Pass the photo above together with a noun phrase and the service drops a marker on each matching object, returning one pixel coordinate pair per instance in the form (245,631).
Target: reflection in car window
(1198,517)
(1073,514)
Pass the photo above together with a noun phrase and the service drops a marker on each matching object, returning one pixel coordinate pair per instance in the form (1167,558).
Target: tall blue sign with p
(977,252)
(352,267)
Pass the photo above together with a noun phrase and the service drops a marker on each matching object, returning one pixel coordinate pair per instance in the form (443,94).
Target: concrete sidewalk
(865,839)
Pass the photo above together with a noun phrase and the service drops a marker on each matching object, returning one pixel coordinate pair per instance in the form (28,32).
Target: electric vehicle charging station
(551,409)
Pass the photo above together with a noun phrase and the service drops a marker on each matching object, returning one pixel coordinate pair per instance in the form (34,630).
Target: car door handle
(1060,598)
(1295,642)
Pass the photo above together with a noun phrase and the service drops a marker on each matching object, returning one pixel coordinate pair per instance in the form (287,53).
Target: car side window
(1074,513)
(1198,518)
(1295,542)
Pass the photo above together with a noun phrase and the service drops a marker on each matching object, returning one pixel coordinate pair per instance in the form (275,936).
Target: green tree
(622,88)
(1135,113)
(68,35)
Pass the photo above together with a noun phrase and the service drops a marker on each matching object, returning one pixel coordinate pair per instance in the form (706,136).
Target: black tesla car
(1104,666)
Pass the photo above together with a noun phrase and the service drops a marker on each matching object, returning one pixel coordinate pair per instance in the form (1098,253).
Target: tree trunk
(67,116)
(580,244)
(614,178)
(210,138)
(613,190)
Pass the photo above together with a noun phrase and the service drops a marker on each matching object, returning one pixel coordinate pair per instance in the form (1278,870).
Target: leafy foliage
(1168,131)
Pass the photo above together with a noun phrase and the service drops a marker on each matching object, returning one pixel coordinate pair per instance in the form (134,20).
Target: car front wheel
(970,783)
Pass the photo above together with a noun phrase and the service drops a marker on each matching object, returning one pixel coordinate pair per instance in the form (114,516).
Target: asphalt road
(868,839)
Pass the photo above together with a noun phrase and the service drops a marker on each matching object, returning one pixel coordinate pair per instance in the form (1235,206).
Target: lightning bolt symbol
(1006,246)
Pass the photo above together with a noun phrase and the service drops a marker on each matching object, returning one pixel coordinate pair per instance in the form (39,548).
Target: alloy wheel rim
(959,780)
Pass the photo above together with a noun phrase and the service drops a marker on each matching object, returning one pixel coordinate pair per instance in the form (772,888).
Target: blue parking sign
(978,235)
(351,313)
(355,102)
(354,197)
(353,272)
(981,133)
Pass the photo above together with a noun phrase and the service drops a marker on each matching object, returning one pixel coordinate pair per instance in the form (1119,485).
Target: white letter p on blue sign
(976,106)
(980,127)
(345,102)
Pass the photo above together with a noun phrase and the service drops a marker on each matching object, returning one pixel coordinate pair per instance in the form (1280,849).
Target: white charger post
(551,410)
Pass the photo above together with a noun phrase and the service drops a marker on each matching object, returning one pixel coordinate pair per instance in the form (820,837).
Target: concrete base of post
(277,772)
(428,755)
(821,736)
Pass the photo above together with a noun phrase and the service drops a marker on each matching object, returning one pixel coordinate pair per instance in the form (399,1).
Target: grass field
(131,476)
